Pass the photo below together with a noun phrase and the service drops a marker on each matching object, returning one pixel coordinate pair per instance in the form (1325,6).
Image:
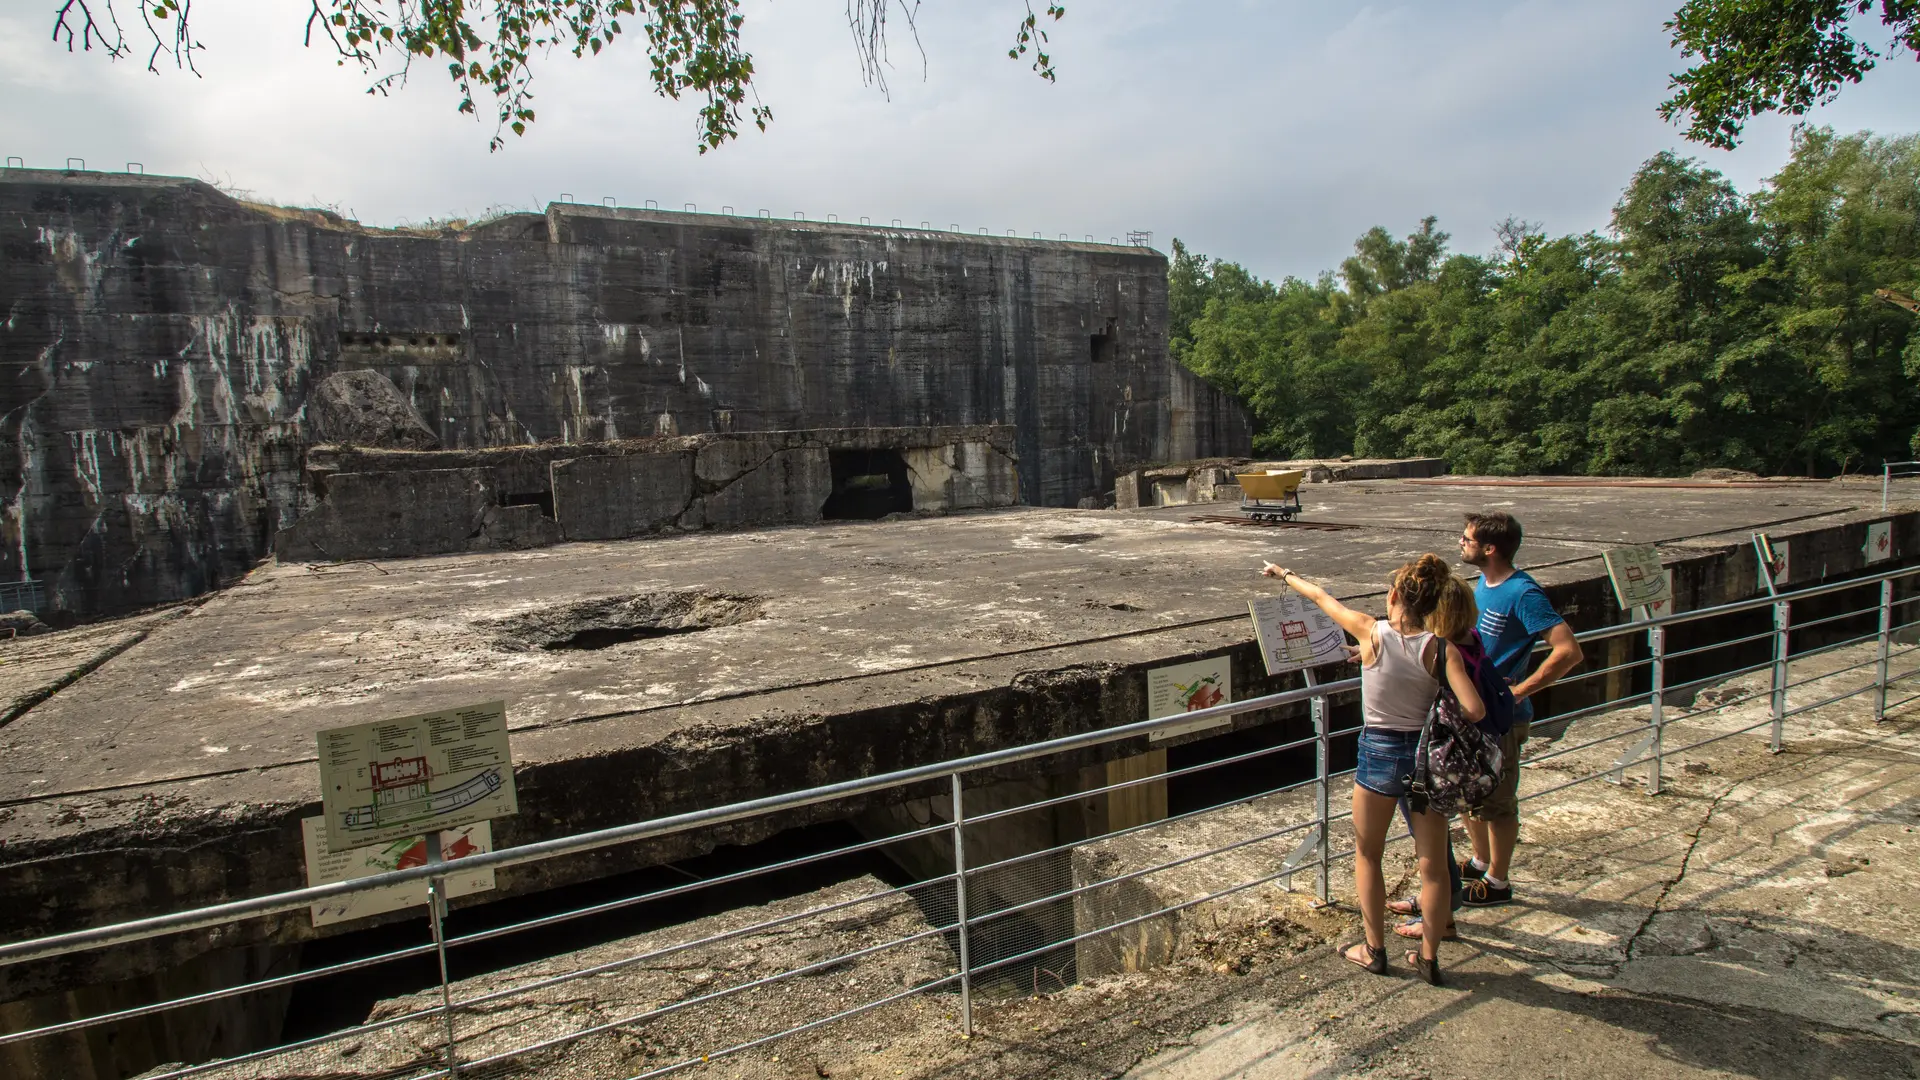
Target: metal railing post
(960,906)
(1322,765)
(1886,484)
(436,912)
(1782,615)
(1886,650)
(1656,704)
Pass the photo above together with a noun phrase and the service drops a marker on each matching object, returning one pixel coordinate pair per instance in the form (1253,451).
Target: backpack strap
(1434,658)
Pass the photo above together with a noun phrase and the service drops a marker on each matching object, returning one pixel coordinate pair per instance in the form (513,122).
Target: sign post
(1295,635)
(408,779)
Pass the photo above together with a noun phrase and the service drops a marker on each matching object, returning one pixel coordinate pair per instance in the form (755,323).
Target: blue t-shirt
(1513,616)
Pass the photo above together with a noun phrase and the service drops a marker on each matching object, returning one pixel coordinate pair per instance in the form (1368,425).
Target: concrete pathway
(1755,920)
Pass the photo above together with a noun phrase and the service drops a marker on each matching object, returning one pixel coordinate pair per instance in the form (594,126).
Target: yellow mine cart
(1273,495)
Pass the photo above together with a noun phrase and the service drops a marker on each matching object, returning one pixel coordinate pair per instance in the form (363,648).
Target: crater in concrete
(615,620)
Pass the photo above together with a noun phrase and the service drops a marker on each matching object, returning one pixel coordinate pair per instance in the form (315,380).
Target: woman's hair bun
(1420,582)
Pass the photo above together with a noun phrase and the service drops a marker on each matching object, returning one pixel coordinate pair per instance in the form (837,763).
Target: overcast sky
(1272,133)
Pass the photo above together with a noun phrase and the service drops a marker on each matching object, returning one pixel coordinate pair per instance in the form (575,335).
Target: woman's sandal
(1409,906)
(1376,960)
(1412,929)
(1425,968)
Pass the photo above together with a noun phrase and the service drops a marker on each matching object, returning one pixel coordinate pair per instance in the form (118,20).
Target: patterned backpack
(1457,764)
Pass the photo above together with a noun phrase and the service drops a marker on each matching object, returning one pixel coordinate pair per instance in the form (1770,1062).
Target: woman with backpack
(1455,619)
(1400,661)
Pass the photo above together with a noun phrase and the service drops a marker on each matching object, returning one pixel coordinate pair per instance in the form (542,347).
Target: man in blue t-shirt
(1514,615)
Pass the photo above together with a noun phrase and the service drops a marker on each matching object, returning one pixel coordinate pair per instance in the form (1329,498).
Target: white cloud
(1270,133)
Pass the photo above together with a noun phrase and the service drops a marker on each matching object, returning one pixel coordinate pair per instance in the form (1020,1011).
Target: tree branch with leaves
(1762,56)
(693,46)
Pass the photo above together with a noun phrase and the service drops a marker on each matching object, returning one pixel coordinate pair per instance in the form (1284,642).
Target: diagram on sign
(325,865)
(384,781)
(1201,693)
(1294,634)
(1185,688)
(1638,580)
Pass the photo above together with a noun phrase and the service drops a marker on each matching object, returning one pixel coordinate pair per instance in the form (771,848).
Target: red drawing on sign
(1202,693)
(1882,545)
(400,772)
(1291,632)
(416,855)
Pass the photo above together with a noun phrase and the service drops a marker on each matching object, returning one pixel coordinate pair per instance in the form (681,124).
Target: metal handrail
(1886,478)
(294,899)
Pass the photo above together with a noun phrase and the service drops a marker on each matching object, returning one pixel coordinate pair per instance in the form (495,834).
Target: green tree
(694,46)
(1760,56)
(1195,280)
(1707,328)
(1844,219)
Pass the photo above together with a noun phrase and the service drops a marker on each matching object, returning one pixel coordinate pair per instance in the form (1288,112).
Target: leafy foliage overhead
(1706,329)
(1760,56)
(693,46)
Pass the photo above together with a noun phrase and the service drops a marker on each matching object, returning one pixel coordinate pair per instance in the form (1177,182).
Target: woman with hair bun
(1400,663)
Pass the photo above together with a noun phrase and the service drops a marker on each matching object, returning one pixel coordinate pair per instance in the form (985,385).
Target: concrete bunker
(616,620)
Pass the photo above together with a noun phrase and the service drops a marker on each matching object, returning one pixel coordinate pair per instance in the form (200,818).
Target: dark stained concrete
(160,342)
(175,774)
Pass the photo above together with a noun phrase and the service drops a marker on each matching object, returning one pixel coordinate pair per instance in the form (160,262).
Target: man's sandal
(1412,929)
(1376,961)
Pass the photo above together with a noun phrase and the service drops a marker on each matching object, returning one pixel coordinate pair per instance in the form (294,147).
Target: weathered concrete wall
(162,340)
(375,504)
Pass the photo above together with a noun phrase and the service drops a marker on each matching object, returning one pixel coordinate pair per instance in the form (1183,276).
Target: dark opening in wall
(541,499)
(867,485)
(1106,345)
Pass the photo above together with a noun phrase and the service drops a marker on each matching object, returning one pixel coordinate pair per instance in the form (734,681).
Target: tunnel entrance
(867,485)
(541,499)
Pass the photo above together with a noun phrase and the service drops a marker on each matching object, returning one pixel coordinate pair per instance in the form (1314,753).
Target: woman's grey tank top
(1395,690)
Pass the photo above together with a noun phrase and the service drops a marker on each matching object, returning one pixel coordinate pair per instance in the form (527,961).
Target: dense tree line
(1706,328)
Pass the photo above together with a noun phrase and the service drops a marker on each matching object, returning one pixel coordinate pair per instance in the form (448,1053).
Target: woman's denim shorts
(1386,760)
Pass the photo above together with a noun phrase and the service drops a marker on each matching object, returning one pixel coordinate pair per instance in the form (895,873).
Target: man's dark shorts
(1504,803)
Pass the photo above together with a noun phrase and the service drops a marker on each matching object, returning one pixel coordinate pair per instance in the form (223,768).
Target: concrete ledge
(384,503)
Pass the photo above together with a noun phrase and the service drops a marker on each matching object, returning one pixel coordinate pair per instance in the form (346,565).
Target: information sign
(390,779)
(1879,543)
(1185,688)
(1295,633)
(1637,578)
(325,865)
